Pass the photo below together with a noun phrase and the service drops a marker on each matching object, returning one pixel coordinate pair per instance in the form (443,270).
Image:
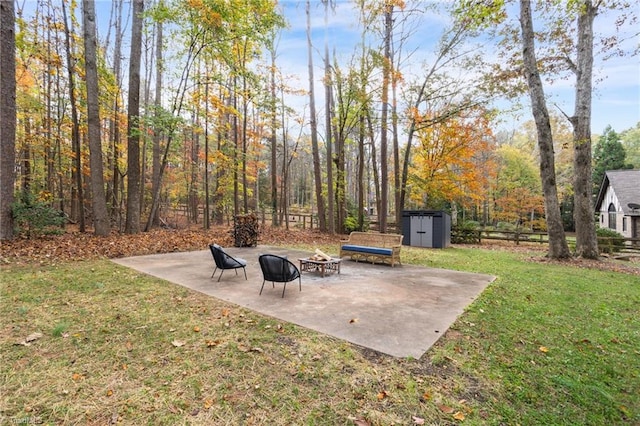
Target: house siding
(608,199)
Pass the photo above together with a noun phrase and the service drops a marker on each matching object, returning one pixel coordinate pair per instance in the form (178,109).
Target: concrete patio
(400,311)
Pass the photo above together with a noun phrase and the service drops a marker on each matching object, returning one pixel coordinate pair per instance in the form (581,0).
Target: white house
(618,202)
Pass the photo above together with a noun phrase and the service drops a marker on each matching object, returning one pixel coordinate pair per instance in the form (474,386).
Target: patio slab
(400,311)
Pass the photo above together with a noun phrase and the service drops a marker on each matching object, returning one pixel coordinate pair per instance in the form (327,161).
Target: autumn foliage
(452,161)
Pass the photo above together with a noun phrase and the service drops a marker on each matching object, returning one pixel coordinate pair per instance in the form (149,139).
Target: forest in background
(182,106)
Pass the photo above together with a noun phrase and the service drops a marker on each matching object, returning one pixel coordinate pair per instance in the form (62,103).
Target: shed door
(422,231)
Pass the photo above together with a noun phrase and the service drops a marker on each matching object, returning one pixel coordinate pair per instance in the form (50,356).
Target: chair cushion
(230,262)
(367,249)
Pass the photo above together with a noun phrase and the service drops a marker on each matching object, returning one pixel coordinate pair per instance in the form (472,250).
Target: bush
(351,224)
(506,226)
(465,233)
(34,217)
(609,241)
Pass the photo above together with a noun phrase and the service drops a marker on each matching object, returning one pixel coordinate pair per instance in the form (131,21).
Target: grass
(544,344)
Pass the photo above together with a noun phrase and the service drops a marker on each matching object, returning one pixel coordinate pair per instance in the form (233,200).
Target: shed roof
(626,185)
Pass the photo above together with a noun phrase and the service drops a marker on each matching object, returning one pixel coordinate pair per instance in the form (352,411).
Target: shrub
(34,217)
(609,241)
(465,233)
(351,224)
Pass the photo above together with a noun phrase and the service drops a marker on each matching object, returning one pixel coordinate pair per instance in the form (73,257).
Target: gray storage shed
(426,228)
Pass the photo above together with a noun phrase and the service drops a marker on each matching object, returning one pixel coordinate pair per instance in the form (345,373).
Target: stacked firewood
(320,256)
(245,230)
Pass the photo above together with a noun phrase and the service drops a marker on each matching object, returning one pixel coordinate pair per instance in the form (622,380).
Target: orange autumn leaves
(453,161)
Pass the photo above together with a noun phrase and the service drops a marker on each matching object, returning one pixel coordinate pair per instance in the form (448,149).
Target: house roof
(626,185)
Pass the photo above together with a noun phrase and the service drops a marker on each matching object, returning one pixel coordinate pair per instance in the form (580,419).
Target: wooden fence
(476,236)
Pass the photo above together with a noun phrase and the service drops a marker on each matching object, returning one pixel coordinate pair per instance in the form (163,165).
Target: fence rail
(475,236)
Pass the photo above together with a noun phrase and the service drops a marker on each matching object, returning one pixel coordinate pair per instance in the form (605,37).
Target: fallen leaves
(446,409)
(382,395)
(73,246)
(30,338)
(459,416)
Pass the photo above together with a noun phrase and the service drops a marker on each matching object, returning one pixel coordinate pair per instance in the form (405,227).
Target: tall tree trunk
(7,116)
(25,158)
(132,225)
(558,248)
(322,219)
(397,183)
(331,224)
(101,223)
(157,135)
(236,185)
(339,136)
(77,192)
(374,159)
(360,177)
(113,187)
(245,125)
(583,213)
(207,219)
(49,147)
(274,145)
(191,162)
(386,76)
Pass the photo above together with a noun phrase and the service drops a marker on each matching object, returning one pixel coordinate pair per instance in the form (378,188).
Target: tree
(7,116)
(446,169)
(630,139)
(586,239)
(114,187)
(558,248)
(132,225)
(517,187)
(328,93)
(384,125)
(100,214)
(608,154)
(77,191)
(565,50)
(157,136)
(322,219)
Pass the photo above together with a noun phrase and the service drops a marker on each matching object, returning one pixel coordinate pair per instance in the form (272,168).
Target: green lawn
(544,344)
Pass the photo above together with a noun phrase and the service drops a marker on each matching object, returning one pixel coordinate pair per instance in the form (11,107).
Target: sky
(616,95)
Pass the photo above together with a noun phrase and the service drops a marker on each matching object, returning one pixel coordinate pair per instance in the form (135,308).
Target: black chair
(278,269)
(224,261)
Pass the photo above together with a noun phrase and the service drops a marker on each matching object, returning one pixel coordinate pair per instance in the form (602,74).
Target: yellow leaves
(452,159)
(459,416)
(543,349)
(207,404)
(383,394)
